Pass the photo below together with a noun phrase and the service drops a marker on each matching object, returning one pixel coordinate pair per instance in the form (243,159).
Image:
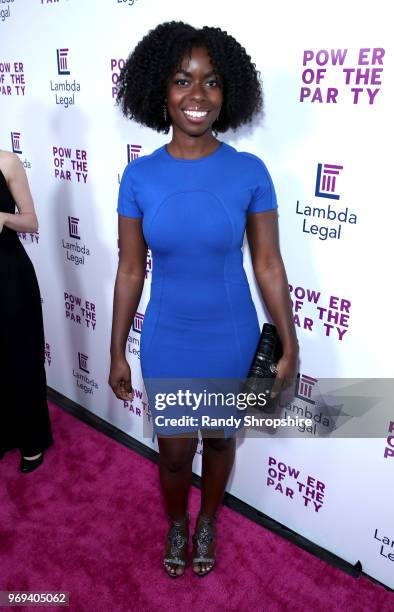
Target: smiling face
(194,94)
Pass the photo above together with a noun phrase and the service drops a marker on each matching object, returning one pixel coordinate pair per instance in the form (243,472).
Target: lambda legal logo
(62,59)
(83,382)
(137,322)
(73,227)
(326,181)
(75,252)
(304,387)
(323,417)
(15,140)
(65,89)
(133,151)
(83,362)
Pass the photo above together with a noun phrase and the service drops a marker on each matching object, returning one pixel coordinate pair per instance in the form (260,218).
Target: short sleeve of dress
(264,196)
(127,205)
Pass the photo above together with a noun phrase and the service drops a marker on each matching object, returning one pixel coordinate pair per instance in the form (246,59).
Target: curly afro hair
(142,84)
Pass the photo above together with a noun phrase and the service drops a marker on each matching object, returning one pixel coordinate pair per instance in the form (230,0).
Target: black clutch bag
(263,370)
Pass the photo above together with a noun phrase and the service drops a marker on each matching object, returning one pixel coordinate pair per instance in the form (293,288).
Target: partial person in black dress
(24,417)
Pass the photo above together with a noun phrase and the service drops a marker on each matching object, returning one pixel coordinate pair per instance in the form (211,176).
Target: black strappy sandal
(179,543)
(204,536)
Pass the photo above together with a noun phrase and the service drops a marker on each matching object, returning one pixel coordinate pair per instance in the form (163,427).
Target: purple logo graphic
(148,269)
(364,70)
(326,180)
(83,362)
(15,139)
(332,313)
(62,57)
(48,358)
(73,227)
(12,77)
(133,151)
(79,310)
(29,237)
(137,322)
(287,480)
(137,405)
(304,387)
(389,450)
(386,542)
(4,13)
(70,164)
(116,67)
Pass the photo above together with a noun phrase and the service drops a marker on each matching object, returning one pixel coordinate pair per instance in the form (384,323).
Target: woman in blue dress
(190,202)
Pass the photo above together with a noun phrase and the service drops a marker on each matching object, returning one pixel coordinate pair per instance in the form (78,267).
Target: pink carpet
(90,520)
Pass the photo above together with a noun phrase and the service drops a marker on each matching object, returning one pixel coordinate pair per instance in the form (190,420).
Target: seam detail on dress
(226,284)
(159,311)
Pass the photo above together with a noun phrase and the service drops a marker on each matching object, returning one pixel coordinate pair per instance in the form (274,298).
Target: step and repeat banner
(328,86)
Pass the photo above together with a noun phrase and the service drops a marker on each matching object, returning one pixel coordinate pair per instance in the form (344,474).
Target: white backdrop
(328,87)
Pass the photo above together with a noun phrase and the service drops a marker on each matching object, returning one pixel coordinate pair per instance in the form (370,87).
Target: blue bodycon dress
(200,321)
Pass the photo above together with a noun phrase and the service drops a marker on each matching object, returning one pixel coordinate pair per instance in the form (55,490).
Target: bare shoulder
(7,157)
(10,164)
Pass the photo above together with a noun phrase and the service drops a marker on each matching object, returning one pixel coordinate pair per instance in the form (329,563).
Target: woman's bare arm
(263,238)
(127,294)
(15,175)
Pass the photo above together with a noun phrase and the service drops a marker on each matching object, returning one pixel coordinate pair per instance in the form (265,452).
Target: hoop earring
(215,132)
(214,125)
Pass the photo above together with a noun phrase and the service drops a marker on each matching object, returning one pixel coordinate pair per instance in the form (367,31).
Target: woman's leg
(217,462)
(175,470)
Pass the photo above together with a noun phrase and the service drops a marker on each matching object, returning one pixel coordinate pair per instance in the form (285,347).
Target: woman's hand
(286,372)
(120,379)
